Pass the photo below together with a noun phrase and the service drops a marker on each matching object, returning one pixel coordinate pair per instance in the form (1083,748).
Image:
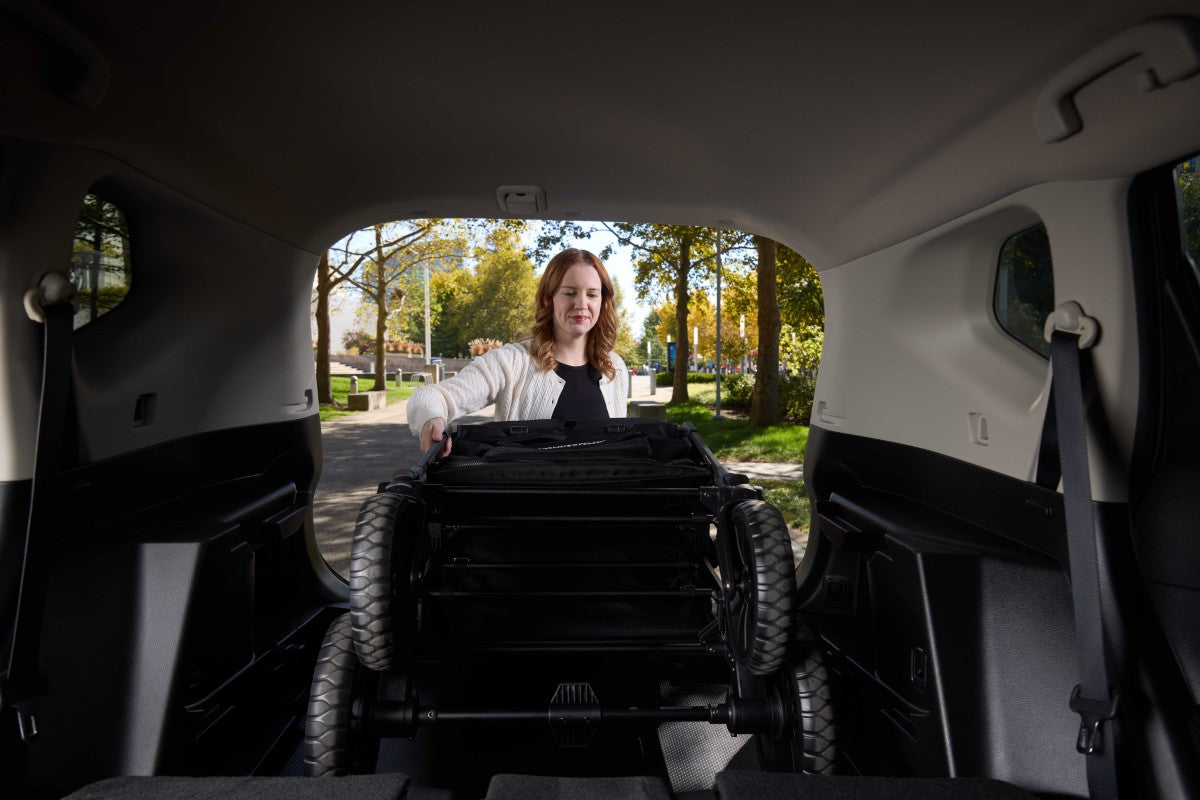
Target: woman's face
(577,301)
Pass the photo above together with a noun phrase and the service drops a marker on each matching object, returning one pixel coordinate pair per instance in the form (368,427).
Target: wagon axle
(575,713)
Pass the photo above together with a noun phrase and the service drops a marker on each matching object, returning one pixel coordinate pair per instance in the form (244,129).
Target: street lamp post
(427,349)
(717,411)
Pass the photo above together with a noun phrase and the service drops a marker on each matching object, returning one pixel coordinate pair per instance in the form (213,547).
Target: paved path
(363,449)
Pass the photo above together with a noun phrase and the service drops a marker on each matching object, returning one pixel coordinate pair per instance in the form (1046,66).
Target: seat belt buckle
(1092,714)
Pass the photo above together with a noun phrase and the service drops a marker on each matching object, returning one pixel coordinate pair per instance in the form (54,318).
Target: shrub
(403,346)
(736,391)
(360,341)
(796,395)
(481,346)
(668,378)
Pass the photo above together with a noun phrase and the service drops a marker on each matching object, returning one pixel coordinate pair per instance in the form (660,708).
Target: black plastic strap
(22,678)
(1093,699)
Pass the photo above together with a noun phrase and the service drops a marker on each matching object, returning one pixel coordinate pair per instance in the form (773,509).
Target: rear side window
(1024,294)
(1187,192)
(100,259)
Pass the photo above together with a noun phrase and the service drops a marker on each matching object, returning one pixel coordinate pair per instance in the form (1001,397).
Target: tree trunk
(380,336)
(380,313)
(764,405)
(324,287)
(679,390)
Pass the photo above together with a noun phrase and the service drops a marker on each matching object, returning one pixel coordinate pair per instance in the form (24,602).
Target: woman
(565,371)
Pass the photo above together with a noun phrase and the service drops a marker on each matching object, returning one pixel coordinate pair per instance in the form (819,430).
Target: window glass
(99,259)
(1024,294)
(1187,191)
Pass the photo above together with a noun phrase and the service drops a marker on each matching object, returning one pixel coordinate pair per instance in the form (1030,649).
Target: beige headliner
(838,128)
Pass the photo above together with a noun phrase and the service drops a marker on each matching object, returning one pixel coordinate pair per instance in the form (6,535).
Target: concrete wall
(396,361)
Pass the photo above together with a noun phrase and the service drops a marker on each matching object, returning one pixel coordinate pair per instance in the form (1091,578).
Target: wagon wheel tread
(813,706)
(327,735)
(373,627)
(774,583)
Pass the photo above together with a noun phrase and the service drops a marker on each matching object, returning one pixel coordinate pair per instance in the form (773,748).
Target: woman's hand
(433,431)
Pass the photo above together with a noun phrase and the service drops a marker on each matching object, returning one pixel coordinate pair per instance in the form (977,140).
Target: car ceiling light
(521,201)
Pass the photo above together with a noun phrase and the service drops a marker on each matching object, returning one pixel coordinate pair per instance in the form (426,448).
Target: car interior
(1001,592)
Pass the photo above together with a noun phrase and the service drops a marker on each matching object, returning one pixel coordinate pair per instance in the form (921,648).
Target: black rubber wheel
(380,586)
(809,742)
(764,578)
(334,742)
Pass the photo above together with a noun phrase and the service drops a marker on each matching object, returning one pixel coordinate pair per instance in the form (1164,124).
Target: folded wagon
(550,583)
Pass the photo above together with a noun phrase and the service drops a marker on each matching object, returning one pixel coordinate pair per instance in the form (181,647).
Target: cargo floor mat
(695,752)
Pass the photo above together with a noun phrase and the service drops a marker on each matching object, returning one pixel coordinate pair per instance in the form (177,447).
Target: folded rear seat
(386,786)
(730,785)
(746,785)
(739,785)
(537,787)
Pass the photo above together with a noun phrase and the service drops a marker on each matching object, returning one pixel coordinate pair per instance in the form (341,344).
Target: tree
(672,260)
(801,352)
(626,346)
(501,302)
(1188,195)
(764,404)
(448,280)
(801,303)
(657,351)
(377,257)
(100,258)
(492,300)
(737,304)
(330,275)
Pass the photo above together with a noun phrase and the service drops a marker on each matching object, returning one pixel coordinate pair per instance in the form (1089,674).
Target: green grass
(340,388)
(789,497)
(734,440)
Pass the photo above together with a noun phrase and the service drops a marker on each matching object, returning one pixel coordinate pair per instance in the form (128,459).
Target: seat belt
(52,304)
(1071,334)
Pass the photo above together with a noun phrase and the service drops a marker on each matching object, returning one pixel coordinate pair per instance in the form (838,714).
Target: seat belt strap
(51,304)
(1093,699)
(1049,471)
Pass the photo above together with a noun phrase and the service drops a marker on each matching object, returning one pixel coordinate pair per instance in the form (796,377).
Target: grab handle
(1170,45)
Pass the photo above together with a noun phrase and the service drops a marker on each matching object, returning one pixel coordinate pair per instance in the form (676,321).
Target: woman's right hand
(434,431)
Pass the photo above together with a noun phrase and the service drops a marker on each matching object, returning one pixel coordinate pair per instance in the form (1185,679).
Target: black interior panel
(184,617)
(961,657)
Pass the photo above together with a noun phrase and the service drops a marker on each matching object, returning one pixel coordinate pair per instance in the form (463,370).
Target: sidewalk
(362,449)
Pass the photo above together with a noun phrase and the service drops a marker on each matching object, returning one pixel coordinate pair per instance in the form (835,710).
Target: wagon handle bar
(430,456)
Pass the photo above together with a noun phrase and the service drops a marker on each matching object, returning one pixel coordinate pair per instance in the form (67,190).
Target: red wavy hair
(603,334)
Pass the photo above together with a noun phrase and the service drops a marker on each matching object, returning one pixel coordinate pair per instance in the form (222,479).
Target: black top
(581,397)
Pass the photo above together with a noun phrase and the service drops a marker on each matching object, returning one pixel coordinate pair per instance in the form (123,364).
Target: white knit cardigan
(508,377)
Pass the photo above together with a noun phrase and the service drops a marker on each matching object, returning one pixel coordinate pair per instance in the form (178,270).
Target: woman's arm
(476,386)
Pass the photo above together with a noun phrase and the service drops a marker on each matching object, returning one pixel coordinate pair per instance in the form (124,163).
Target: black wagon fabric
(560,452)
